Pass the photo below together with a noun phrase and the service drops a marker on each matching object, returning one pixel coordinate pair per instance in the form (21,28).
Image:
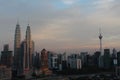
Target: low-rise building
(5,73)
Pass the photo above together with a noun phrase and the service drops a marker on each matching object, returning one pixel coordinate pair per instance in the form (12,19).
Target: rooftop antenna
(17,21)
(28,21)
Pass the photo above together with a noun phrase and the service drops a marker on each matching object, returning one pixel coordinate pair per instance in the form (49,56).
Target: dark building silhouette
(83,56)
(60,61)
(90,61)
(107,59)
(114,58)
(6,57)
(37,61)
(118,58)
(96,58)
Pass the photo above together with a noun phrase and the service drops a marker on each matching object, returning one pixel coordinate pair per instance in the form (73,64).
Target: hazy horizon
(62,25)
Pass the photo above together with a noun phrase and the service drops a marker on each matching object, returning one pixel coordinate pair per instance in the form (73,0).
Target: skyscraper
(17,42)
(23,52)
(28,49)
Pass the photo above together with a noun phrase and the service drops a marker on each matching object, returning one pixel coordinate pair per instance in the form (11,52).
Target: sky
(62,25)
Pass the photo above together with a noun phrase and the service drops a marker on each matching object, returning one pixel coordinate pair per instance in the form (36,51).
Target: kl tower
(100,37)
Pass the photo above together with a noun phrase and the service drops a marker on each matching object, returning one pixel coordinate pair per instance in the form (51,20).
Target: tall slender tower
(17,41)
(100,37)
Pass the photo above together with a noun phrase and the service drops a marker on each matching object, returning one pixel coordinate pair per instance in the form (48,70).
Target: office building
(23,52)
(44,62)
(27,51)
(74,61)
(96,58)
(17,53)
(50,55)
(107,59)
(118,58)
(6,57)
(114,58)
(60,62)
(101,61)
(83,56)
(29,47)
(55,62)
(37,61)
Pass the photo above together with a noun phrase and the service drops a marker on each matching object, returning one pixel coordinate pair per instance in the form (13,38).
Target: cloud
(104,4)
(69,2)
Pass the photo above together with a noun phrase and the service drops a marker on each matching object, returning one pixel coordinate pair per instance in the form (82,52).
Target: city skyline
(62,24)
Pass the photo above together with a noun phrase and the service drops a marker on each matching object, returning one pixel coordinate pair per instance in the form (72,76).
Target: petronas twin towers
(23,51)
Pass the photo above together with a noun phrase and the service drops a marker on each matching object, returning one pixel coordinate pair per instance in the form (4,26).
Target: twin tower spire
(23,50)
(17,40)
(18,33)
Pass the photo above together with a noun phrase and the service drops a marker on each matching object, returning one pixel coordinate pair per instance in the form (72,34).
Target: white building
(50,54)
(79,64)
(74,61)
(52,60)
(55,61)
